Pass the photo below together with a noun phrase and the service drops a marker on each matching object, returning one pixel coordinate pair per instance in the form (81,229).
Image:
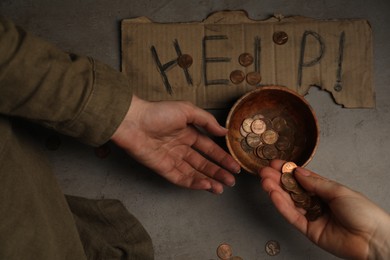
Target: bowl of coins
(271,122)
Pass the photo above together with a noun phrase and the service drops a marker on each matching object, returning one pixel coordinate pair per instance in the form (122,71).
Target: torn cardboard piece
(335,55)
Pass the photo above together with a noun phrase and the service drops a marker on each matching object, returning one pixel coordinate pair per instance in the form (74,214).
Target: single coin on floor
(224,251)
(272,248)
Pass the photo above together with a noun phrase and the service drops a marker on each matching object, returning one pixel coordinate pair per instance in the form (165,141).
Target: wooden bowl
(286,115)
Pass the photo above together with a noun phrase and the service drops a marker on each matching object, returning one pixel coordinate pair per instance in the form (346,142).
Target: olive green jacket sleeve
(73,95)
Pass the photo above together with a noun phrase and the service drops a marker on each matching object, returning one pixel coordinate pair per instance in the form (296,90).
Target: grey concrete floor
(186,224)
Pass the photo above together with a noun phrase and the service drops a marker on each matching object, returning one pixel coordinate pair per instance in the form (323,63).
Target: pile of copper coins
(267,139)
(301,198)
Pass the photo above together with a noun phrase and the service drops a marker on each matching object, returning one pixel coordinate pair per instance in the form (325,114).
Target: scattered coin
(270,136)
(184,61)
(270,152)
(246,125)
(272,248)
(302,199)
(245,59)
(253,78)
(237,76)
(298,190)
(258,126)
(224,251)
(243,132)
(288,181)
(289,167)
(245,146)
(259,152)
(279,123)
(280,37)
(268,123)
(253,140)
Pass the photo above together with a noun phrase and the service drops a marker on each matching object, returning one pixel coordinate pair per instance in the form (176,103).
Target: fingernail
(239,171)
(214,192)
(233,184)
(302,171)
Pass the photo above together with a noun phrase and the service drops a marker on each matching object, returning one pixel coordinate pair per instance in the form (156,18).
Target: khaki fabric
(106,225)
(76,96)
(35,220)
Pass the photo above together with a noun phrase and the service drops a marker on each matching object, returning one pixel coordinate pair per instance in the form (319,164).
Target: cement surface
(187,224)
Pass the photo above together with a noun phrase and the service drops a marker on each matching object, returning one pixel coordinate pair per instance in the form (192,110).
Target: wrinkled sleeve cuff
(105,108)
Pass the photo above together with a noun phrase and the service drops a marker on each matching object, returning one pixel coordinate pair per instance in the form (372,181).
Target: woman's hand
(352,227)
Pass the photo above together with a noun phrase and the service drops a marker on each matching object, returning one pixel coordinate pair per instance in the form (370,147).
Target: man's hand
(352,227)
(165,137)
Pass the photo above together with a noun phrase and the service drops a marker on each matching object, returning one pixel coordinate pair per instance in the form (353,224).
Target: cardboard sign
(295,52)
